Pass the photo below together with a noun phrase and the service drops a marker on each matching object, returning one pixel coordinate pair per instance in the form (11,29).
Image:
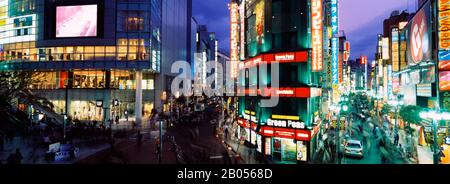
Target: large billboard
(76,21)
(419,36)
(317,32)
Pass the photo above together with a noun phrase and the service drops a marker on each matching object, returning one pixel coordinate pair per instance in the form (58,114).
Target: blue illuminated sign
(334,42)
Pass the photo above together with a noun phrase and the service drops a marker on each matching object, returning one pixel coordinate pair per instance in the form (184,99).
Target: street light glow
(345,108)
(423,115)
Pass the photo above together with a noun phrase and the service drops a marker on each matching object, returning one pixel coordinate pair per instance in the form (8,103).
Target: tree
(359,101)
(15,86)
(410,114)
(386,109)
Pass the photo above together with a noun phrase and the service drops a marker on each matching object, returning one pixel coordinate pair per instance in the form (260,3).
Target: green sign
(23,21)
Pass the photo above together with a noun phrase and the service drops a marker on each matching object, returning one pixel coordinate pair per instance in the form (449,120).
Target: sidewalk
(127,151)
(243,152)
(425,155)
(33,154)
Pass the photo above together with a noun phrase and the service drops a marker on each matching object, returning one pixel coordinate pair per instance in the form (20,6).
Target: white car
(354,148)
(447,140)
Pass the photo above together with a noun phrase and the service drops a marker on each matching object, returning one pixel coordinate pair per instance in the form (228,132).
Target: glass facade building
(116,54)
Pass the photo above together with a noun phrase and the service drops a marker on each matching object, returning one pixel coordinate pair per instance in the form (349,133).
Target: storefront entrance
(284,150)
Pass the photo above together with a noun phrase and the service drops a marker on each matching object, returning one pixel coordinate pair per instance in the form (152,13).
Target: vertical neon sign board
(317,44)
(242,28)
(234,37)
(334,42)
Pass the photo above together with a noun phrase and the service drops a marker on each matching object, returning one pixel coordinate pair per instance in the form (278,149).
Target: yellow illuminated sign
(285,117)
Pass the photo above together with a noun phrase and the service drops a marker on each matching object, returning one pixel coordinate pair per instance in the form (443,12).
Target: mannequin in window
(95,82)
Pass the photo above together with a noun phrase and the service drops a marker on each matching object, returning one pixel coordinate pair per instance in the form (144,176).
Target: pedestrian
(441,154)
(396,139)
(158,146)
(111,143)
(139,138)
(18,156)
(256,148)
(226,133)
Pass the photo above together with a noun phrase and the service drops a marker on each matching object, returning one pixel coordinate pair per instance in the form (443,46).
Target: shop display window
(89,79)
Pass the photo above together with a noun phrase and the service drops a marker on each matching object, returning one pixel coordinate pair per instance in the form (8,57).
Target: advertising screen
(419,36)
(76,21)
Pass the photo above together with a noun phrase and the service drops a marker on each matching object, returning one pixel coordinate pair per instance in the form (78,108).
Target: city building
(205,51)
(423,78)
(100,60)
(357,73)
(287,132)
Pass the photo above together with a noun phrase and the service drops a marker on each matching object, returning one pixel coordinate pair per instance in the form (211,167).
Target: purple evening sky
(361,20)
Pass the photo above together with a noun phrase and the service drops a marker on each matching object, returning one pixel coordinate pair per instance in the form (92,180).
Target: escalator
(49,113)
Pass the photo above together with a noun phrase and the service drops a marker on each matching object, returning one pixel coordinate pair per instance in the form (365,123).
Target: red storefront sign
(289,133)
(285,133)
(287,57)
(302,92)
(303,135)
(245,123)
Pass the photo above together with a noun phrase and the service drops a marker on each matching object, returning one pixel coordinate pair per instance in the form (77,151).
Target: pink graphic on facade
(76,21)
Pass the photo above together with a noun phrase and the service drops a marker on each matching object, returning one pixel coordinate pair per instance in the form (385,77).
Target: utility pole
(338,145)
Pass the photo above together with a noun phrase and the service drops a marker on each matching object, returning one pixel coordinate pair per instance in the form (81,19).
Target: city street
(225,82)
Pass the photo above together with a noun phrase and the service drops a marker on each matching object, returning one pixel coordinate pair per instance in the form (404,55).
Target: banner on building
(419,36)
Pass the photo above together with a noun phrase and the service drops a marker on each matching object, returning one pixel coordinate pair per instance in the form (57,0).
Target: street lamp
(397,105)
(344,109)
(436,117)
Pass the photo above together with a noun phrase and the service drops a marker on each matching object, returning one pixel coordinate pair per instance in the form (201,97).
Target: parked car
(447,140)
(354,148)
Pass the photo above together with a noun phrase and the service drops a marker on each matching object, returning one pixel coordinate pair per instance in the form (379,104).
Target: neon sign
(234,36)
(317,58)
(334,42)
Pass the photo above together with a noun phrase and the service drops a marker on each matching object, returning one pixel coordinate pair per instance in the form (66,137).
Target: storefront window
(121,79)
(89,79)
(86,110)
(49,80)
(284,150)
(259,143)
